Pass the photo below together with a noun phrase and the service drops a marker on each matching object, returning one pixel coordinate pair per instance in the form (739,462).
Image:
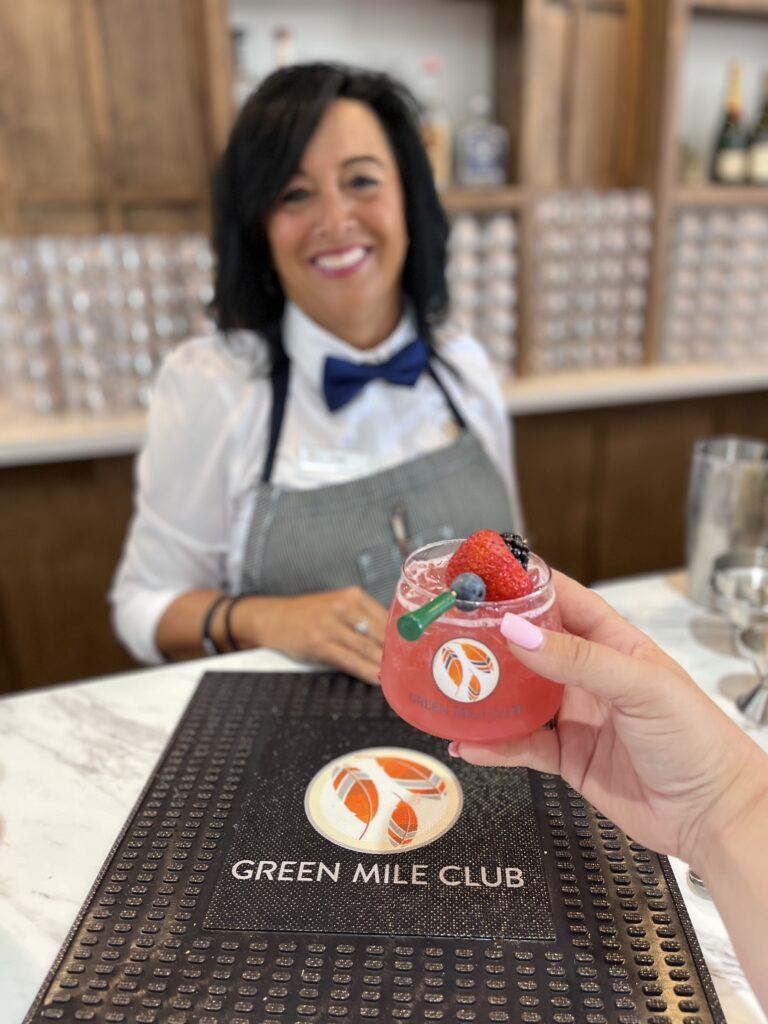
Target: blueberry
(469,588)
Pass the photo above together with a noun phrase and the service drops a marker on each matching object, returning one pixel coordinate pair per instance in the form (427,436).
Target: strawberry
(486,554)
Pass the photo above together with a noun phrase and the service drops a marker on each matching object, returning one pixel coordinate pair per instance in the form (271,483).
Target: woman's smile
(341,262)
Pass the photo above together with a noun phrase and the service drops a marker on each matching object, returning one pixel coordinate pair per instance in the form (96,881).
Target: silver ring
(362,627)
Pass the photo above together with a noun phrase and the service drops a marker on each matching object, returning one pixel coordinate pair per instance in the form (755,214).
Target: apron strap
(460,421)
(279,380)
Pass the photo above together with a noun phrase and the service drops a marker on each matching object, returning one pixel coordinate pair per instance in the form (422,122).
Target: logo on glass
(383,800)
(465,670)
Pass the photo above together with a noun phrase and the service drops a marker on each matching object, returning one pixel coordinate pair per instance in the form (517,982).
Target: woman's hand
(343,628)
(635,735)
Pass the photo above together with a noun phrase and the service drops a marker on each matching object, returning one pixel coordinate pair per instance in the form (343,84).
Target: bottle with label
(282,38)
(758,143)
(435,125)
(244,79)
(481,148)
(729,157)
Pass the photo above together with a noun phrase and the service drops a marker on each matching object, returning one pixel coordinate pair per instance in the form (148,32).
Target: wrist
(249,621)
(734,823)
(211,634)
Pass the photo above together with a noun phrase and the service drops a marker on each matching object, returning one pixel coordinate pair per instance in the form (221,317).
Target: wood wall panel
(555,468)
(600,95)
(61,530)
(164,218)
(638,502)
(59,220)
(577,63)
(112,113)
(743,414)
(548,30)
(154,113)
(45,131)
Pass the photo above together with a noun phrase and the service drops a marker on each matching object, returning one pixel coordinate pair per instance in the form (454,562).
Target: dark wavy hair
(265,149)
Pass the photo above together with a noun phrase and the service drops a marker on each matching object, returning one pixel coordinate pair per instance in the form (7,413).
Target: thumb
(574,661)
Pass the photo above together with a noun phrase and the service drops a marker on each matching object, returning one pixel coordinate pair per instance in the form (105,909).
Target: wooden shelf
(630,385)
(739,7)
(721,195)
(26,439)
(483,200)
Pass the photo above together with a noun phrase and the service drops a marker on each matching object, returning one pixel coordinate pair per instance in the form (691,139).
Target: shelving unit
(665,28)
(484,200)
(720,195)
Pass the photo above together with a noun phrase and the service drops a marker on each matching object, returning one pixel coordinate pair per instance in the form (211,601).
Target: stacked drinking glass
(590,277)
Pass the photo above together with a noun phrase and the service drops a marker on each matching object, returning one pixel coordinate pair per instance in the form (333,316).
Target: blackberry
(517,547)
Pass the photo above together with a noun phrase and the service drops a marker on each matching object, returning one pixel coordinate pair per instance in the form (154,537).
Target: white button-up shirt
(207,436)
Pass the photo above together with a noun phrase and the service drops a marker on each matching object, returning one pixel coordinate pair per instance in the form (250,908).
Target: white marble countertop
(74,759)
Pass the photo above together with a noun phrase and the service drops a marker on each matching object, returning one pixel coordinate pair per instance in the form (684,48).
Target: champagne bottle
(435,125)
(758,143)
(729,158)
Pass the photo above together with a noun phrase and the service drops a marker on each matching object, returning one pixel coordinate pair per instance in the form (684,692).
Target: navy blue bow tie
(343,380)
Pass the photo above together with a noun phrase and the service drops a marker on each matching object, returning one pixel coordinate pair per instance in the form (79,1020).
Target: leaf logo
(465,670)
(357,792)
(403,825)
(383,800)
(416,778)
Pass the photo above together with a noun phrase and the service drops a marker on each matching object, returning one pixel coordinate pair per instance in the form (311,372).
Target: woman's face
(337,231)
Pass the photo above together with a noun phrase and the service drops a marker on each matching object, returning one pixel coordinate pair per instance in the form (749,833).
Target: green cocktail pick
(411,625)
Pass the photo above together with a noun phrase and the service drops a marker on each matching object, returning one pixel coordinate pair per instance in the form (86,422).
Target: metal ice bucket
(727,505)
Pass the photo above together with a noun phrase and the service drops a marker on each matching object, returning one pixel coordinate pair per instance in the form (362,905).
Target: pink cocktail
(459,680)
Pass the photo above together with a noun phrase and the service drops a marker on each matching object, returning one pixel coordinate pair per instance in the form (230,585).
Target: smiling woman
(336,420)
(341,219)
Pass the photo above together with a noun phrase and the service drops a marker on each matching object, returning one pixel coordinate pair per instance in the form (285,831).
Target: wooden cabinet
(604,489)
(111,113)
(61,531)
(566,89)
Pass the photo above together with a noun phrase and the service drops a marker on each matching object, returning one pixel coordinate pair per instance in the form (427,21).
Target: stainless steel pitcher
(727,505)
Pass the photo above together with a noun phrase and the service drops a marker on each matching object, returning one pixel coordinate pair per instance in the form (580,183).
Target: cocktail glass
(459,680)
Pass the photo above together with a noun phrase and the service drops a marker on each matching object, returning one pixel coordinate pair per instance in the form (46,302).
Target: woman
(292,459)
(649,749)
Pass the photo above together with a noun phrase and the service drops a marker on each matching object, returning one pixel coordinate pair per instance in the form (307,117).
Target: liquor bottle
(244,79)
(435,125)
(481,147)
(758,143)
(729,157)
(282,38)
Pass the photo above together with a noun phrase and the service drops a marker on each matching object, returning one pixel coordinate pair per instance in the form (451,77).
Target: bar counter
(74,759)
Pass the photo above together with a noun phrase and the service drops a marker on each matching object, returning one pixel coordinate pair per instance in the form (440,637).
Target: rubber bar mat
(301,855)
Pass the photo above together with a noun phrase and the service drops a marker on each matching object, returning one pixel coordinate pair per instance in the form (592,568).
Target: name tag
(325,462)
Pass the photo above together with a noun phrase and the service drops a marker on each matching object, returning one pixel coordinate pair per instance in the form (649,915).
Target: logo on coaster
(465,670)
(383,800)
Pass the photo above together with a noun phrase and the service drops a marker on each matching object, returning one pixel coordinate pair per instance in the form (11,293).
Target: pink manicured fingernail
(453,748)
(521,632)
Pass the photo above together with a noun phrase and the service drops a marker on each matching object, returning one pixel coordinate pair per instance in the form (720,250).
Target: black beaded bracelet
(228,621)
(208,643)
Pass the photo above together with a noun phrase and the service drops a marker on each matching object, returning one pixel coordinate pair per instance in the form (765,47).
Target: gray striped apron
(358,532)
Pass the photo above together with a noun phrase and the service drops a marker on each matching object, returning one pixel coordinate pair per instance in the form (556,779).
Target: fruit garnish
(469,589)
(486,554)
(517,547)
